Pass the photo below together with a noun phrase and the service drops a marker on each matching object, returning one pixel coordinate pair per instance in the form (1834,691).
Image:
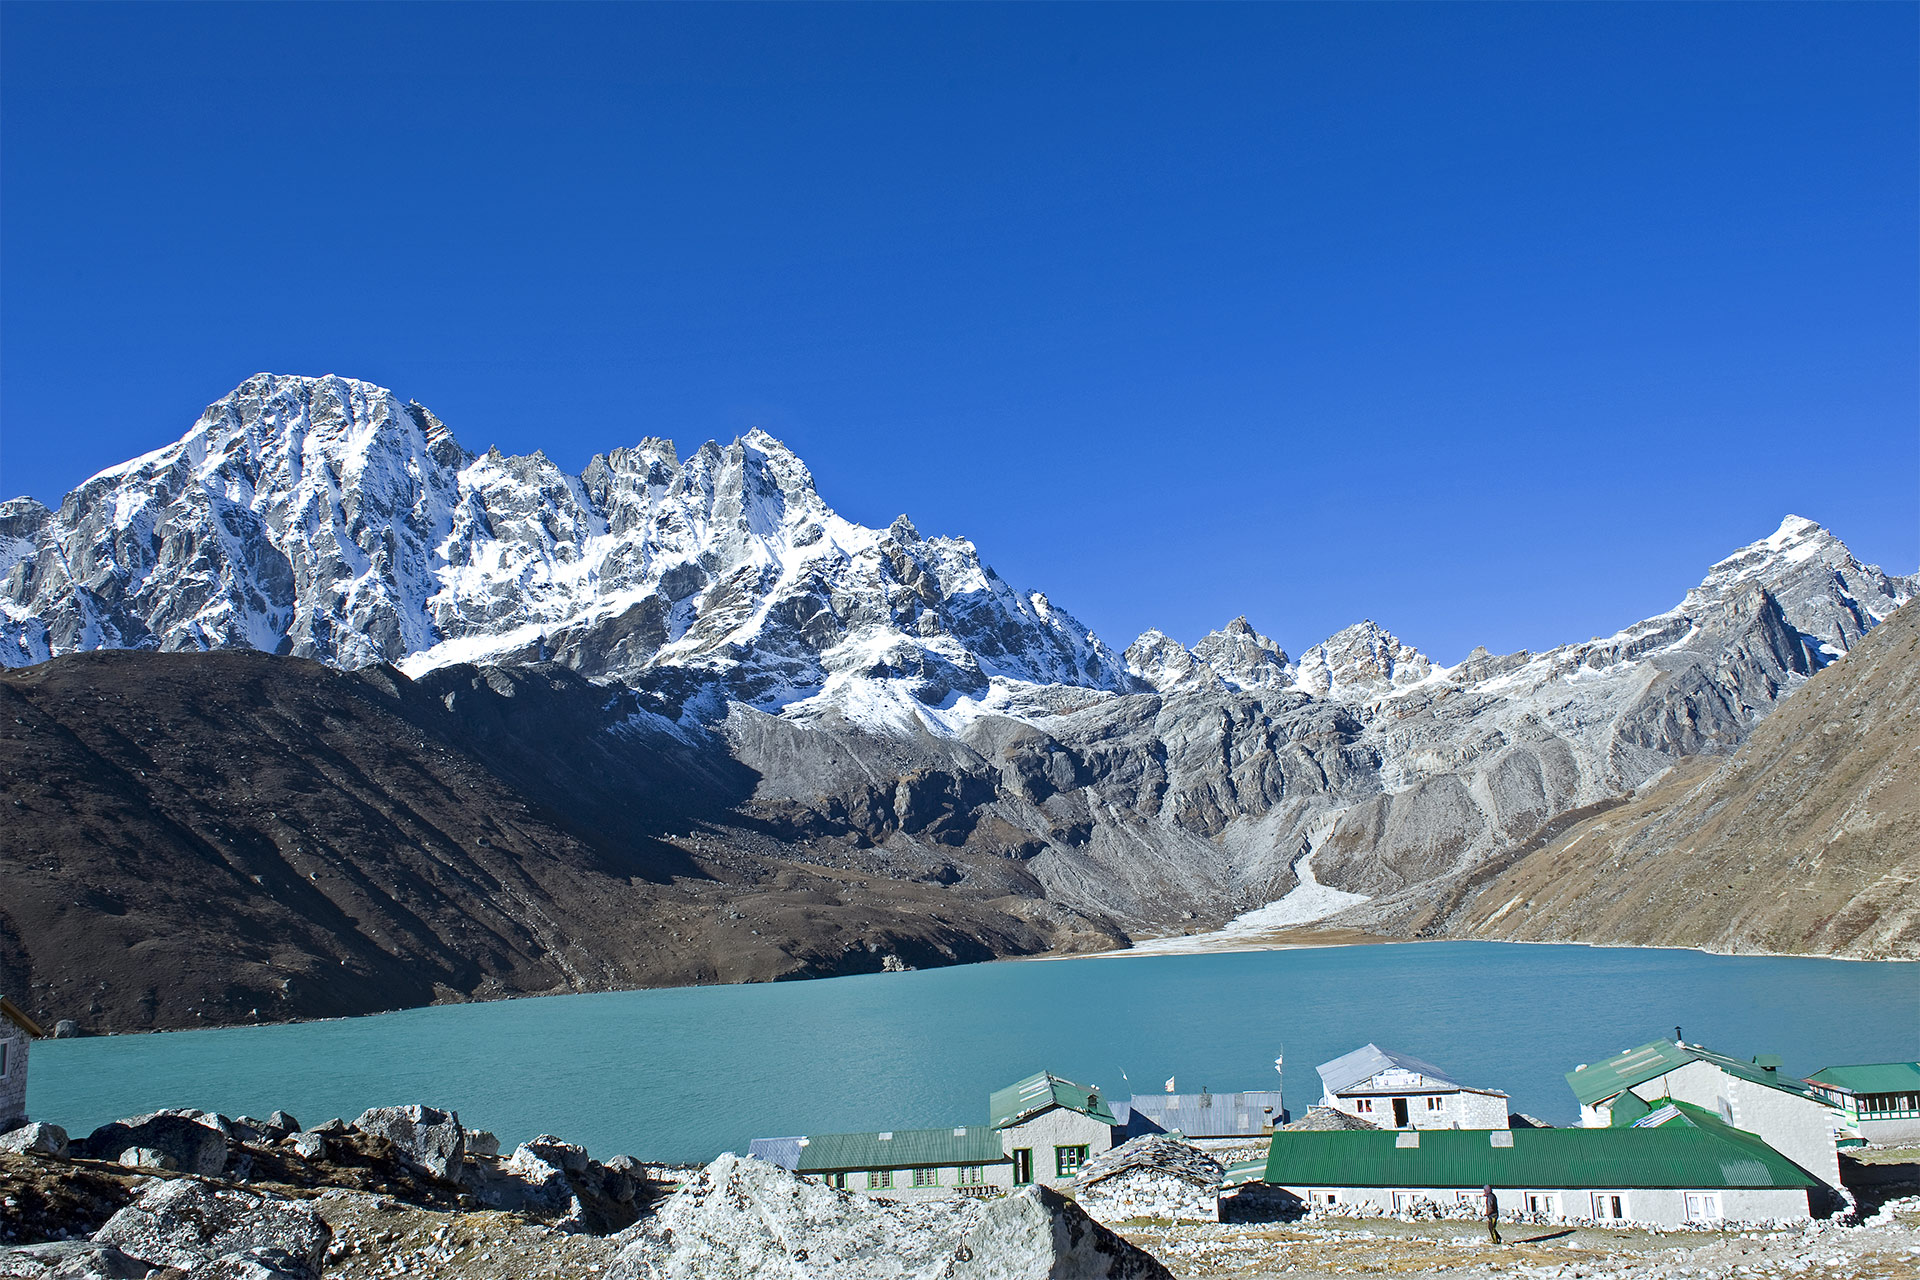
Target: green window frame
(926,1177)
(838,1181)
(879,1179)
(972,1175)
(1022,1166)
(1067,1160)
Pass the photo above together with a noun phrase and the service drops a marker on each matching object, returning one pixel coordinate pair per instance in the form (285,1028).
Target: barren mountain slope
(207,838)
(1806,840)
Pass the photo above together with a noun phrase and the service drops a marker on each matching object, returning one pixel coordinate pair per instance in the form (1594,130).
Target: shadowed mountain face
(688,686)
(207,838)
(1806,839)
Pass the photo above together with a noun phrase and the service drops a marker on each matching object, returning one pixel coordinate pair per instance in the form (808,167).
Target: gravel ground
(1888,1250)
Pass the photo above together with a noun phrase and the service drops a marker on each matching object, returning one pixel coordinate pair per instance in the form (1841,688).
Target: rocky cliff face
(1806,839)
(887,699)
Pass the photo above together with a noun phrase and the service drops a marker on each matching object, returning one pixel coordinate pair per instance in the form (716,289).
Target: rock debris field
(407,1191)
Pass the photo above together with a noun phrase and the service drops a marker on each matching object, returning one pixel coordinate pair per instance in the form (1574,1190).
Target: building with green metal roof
(1683,1166)
(1882,1097)
(1042,1129)
(1753,1095)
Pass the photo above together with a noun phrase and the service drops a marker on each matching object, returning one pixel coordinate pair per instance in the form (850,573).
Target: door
(1399,1113)
(1022,1166)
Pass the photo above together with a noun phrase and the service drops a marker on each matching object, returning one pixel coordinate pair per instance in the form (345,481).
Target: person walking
(1493,1213)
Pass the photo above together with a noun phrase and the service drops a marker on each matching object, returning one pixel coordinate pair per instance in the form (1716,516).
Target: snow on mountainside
(322,517)
(891,694)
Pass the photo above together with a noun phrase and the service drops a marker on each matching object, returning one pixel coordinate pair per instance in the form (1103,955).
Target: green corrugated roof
(1676,1155)
(1036,1093)
(900,1149)
(1872,1077)
(1601,1080)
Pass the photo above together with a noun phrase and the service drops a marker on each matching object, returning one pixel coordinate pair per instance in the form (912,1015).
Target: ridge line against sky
(1495,324)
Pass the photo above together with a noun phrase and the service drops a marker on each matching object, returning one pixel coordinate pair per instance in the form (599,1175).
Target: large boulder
(70,1260)
(192,1141)
(35,1137)
(253,1264)
(741,1218)
(187,1224)
(1039,1234)
(431,1141)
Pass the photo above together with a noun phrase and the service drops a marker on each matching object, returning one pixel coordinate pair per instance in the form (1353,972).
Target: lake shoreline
(1290,940)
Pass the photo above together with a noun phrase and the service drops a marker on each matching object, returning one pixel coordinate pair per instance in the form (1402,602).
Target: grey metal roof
(1370,1060)
(1207,1115)
(784,1152)
(898,1149)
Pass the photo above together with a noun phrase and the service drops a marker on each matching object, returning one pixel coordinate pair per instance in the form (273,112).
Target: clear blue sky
(1496,324)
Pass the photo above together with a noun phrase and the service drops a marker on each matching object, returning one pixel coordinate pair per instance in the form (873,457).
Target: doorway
(1399,1113)
(1022,1166)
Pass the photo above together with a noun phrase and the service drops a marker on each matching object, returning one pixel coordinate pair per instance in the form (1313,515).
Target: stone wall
(13,1085)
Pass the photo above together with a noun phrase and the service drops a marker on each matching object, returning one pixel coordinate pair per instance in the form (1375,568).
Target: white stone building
(1394,1091)
(17,1033)
(1755,1096)
(1882,1097)
(1042,1130)
(1676,1168)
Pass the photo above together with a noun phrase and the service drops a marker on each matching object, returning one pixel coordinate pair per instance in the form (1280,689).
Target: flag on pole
(1169,1084)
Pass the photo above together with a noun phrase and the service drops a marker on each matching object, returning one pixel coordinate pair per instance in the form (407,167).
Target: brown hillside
(192,839)
(1806,840)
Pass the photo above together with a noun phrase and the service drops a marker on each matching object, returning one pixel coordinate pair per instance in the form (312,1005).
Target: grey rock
(309,1146)
(191,1141)
(147,1158)
(65,1029)
(739,1218)
(528,1182)
(35,1136)
(333,1126)
(431,1140)
(481,1142)
(283,1122)
(186,1224)
(70,1260)
(1038,1234)
(566,1155)
(254,1264)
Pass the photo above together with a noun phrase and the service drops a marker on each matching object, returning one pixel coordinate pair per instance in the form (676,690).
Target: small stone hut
(17,1032)
(1152,1176)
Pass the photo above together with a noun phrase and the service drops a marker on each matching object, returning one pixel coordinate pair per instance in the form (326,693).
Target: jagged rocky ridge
(887,693)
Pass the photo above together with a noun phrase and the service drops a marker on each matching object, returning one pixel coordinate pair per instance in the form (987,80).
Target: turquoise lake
(685,1073)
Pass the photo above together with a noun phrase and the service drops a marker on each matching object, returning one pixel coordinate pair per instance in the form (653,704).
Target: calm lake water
(687,1073)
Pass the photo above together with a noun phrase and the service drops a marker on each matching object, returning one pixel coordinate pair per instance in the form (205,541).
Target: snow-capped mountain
(321,517)
(889,690)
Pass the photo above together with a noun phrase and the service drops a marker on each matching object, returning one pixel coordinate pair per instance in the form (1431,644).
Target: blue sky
(1496,324)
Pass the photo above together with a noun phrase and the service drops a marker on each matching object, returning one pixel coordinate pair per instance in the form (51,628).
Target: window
(1022,1166)
(1540,1204)
(1405,1200)
(1364,1104)
(1433,1104)
(4,1046)
(1333,1197)
(879,1179)
(1703,1206)
(973,1175)
(926,1177)
(837,1180)
(1608,1207)
(1067,1160)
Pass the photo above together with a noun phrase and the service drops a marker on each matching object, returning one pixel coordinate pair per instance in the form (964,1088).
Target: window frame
(879,1179)
(925,1176)
(1079,1153)
(1022,1159)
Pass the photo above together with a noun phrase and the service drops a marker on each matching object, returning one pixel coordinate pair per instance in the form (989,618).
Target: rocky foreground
(408,1191)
